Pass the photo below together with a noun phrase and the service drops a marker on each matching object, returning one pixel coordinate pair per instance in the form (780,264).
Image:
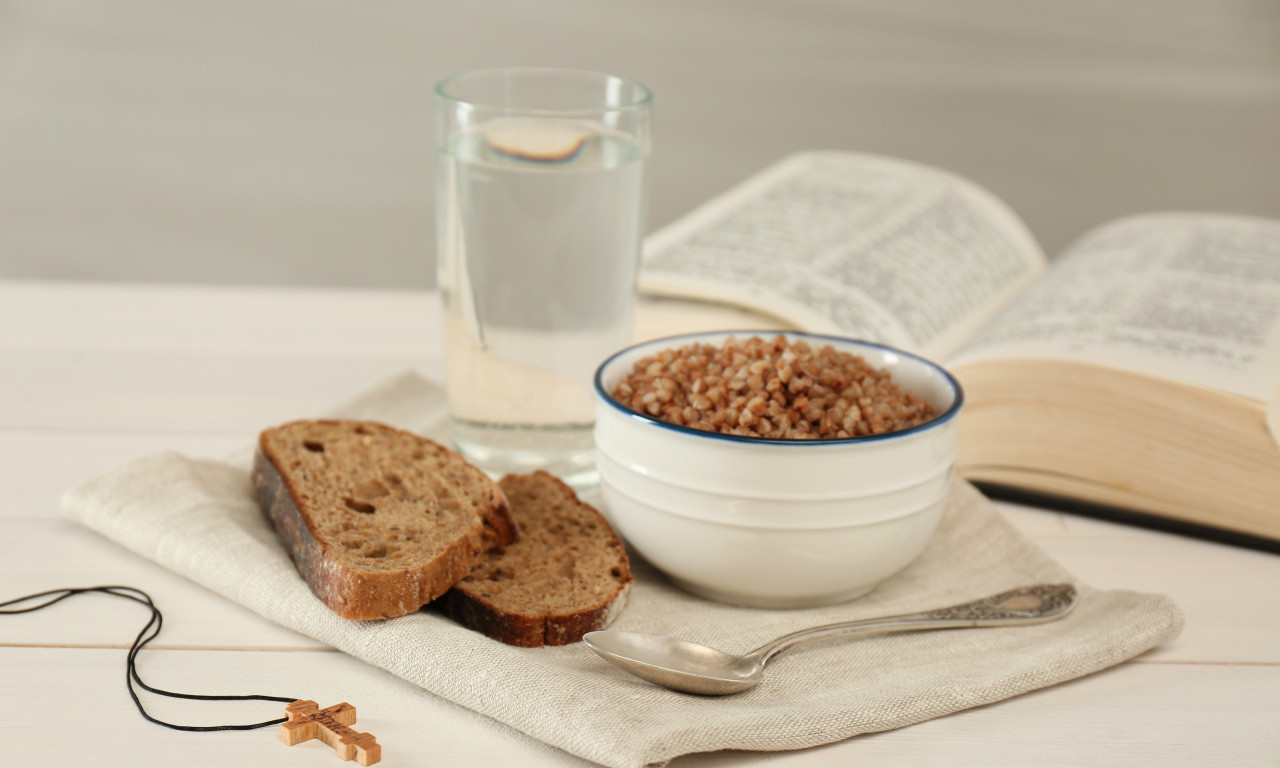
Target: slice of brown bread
(378,521)
(566,576)
(482,491)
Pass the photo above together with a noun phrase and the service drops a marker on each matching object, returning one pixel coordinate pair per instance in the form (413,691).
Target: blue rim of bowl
(936,421)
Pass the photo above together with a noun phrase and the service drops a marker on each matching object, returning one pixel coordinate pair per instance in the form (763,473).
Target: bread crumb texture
(373,523)
(567,575)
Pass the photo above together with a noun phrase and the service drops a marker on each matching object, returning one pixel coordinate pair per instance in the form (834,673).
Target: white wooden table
(94,376)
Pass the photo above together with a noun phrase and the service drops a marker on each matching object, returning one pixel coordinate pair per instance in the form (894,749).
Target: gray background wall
(290,141)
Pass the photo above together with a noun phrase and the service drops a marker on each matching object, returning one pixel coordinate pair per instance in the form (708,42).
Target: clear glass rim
(644,100)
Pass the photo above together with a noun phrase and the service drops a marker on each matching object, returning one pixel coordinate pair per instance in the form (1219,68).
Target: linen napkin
(199,518)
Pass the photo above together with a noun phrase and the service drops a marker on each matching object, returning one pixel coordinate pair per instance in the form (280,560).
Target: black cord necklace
(147,634)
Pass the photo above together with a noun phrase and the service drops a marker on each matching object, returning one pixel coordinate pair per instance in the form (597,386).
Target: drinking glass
(540,209)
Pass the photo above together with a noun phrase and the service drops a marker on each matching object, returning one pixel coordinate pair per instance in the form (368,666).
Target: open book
(1137,374)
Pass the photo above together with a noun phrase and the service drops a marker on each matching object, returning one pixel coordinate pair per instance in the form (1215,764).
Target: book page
(863,246)
(1194,298)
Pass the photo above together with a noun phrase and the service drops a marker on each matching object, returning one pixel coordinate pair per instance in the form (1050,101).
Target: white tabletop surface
(93,376)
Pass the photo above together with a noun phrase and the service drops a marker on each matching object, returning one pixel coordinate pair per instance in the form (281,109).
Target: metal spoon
(693,668)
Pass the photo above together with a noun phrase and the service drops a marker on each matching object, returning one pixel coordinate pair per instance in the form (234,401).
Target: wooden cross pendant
(307,721)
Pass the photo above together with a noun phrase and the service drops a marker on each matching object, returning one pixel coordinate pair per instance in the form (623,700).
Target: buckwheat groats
(770,388)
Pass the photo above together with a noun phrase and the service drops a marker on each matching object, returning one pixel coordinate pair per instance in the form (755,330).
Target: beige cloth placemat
(199,518)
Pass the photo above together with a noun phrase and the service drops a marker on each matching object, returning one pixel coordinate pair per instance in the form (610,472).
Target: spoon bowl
(693,668)
(677,664)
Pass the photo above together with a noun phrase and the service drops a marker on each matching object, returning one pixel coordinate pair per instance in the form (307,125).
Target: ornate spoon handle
(1028,605)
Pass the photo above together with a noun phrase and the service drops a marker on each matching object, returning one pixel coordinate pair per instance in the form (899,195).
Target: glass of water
(540,209)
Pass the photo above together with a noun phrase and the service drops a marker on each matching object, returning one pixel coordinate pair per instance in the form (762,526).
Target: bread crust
(528,631)
(348,592)
(466,604)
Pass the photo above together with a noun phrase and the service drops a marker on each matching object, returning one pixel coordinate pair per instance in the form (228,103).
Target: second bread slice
(566,576)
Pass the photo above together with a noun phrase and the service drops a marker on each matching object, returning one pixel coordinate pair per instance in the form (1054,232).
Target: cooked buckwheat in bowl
(774,470)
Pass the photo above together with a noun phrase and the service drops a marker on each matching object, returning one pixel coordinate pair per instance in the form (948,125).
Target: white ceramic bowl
(776,523)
